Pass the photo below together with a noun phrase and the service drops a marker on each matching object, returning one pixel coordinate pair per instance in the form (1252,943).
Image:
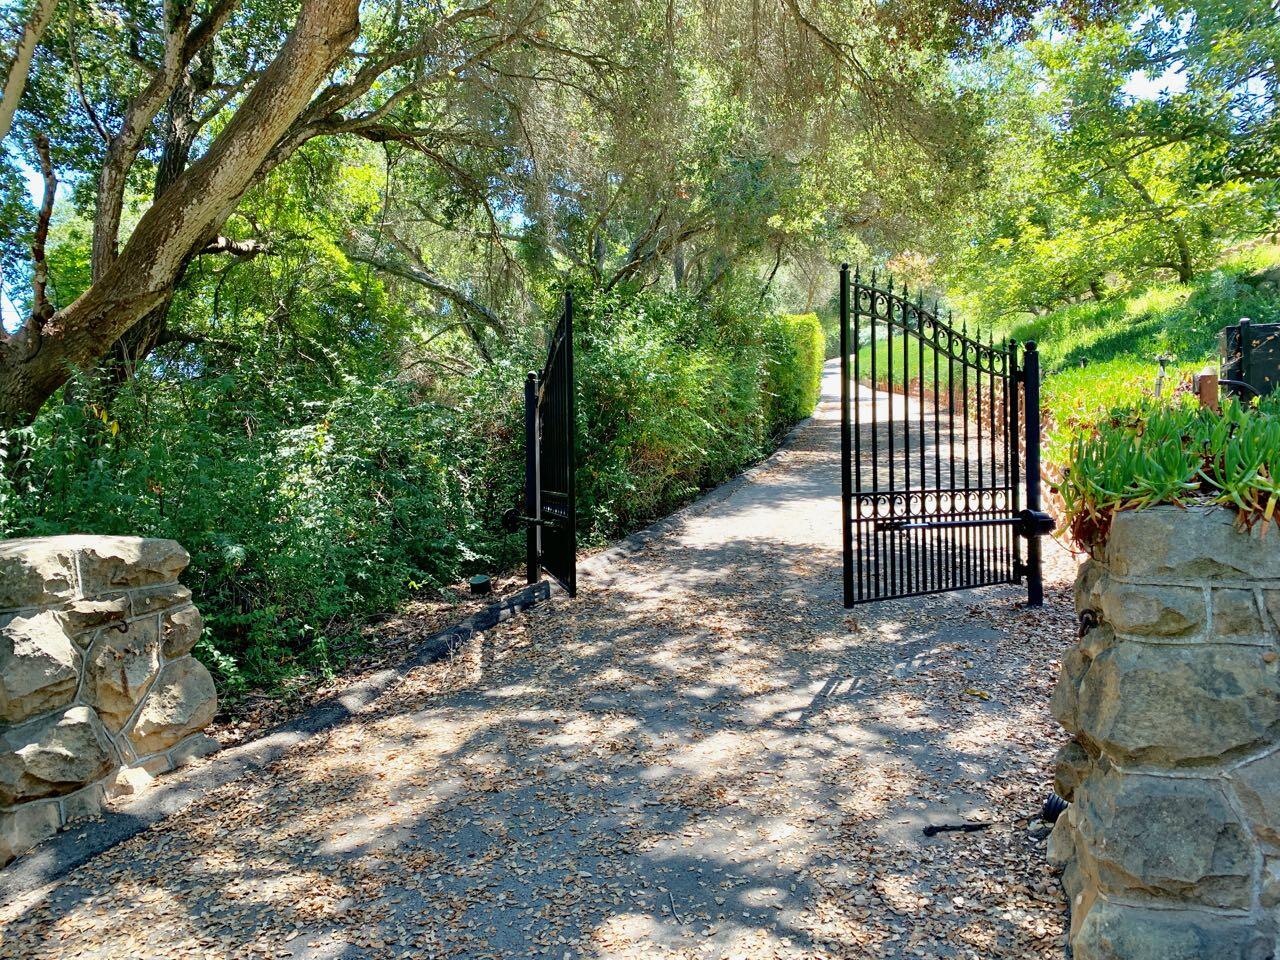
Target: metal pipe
(532,560)
(846,440)
(1031,391)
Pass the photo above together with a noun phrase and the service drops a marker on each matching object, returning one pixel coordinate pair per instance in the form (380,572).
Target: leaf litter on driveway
(709,758)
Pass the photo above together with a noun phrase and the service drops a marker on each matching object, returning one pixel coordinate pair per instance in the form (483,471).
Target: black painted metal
(930,435)
(1250,359)
(550,463)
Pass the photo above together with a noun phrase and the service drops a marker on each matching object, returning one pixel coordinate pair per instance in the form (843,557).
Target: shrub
(312,495)
(1173,453)
(795,369)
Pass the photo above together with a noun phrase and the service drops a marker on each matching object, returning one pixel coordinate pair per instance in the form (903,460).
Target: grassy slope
(1121,340)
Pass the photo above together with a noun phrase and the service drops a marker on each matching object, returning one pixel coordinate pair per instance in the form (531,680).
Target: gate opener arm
(1027,523)
(513,519)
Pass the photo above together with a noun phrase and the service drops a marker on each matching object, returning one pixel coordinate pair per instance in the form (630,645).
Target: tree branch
(185,216)
(41,309)
(182,43)
(245,249)
(20,67)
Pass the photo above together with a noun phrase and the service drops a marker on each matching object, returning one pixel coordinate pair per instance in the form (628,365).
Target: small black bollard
(1054,807)
(481,585)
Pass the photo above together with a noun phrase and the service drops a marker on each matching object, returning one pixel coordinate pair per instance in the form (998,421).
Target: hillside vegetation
(1099,355)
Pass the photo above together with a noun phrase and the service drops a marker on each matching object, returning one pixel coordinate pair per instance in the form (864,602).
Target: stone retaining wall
(1171,846)
(98,690)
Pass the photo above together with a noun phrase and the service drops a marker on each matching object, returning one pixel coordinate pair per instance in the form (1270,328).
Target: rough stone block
(39,666)
(1071,765)
(123,563)
(1115,931)
(1100,638)
(53,755)
(120,668)
(1066,694)
(28,825)
(1269,898)
(151,599)
(1154,611)
(1165,837)
(181,702)
(1090,582)
(36,571)
(1062,847)
(180,629)
(1143,703)
(1271,600)
(1236,616)
(1257,784)
(1190,542)
(81,617)
(129,782)
(86,802)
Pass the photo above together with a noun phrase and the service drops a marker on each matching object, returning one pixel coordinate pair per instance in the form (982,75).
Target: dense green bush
(311,495)
(795,368)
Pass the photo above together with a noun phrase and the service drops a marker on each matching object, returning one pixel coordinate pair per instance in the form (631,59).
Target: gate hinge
(1034,523)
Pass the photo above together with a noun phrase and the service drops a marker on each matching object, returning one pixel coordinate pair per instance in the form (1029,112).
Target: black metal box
(1250,355)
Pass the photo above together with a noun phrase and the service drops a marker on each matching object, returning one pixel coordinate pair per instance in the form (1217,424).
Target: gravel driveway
(703,756)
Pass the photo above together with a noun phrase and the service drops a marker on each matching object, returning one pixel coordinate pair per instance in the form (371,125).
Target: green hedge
(312,496)
(795,371)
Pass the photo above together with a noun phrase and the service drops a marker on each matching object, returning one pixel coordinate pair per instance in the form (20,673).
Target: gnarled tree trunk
(39,359)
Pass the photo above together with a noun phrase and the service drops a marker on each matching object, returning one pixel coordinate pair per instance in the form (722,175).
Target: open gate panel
(550,464)
(934,425)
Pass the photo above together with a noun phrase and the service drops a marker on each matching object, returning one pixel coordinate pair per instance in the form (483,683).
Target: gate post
(846,440)
(1031,395)
(532,561)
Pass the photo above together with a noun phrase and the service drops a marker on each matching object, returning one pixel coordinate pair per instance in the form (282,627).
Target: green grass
(1104,354)
(1122,339)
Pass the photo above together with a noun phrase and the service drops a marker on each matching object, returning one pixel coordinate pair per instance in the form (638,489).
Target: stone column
(99,692)
(1171,846)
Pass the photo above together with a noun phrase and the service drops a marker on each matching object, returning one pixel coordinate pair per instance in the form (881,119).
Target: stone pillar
(99,692)
(1171,846)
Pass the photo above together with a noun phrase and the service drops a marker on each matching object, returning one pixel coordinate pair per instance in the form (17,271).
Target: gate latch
(1034,523)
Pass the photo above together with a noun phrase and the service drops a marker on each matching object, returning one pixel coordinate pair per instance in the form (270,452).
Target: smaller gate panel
(553,535)
(931,439)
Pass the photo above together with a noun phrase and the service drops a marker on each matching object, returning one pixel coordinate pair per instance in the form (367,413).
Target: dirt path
(704,756)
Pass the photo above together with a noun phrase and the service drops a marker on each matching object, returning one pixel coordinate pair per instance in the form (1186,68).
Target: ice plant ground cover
(1173,453)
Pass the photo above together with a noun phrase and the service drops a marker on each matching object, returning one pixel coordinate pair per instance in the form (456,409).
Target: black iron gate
(934,428)
(550,468)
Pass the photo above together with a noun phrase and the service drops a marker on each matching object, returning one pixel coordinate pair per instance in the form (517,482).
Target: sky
(1144,87)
